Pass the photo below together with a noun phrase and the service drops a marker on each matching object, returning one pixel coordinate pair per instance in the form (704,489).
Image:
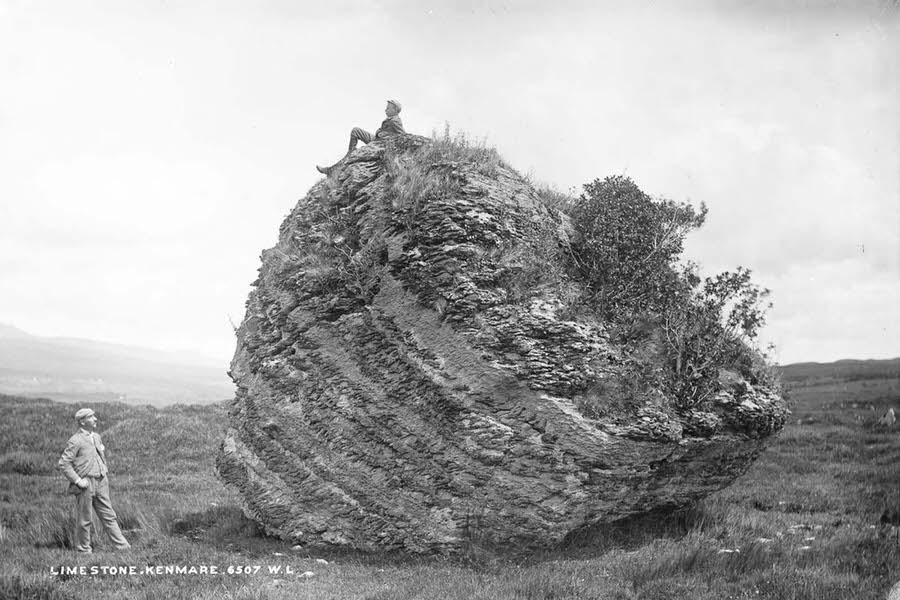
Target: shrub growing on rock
(627,252)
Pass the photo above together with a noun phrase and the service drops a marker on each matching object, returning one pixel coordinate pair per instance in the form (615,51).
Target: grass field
(804,523)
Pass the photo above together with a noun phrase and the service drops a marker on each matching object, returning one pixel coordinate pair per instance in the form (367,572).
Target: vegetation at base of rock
(627,252)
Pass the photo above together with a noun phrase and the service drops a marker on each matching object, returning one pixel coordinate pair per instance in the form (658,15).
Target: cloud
(797,206)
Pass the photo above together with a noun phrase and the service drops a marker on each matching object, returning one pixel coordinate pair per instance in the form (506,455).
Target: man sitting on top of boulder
(390,126)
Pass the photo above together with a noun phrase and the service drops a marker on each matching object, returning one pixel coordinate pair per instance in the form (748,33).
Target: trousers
(96,497)
(358,134)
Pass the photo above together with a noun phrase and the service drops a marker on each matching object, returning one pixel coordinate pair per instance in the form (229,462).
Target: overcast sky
(149,150)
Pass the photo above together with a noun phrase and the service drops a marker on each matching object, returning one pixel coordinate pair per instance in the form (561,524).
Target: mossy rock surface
(410,377)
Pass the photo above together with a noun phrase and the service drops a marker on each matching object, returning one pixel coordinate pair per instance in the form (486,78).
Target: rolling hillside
(71,369)
(812,373)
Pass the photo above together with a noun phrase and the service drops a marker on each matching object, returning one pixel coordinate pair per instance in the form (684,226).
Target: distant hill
(844,370)
(72,369)
(10,332)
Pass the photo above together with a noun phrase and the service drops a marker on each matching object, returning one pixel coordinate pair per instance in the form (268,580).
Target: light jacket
(82,458)
(390,126)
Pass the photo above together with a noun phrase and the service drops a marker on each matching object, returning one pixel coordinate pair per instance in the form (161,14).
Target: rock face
(408,375)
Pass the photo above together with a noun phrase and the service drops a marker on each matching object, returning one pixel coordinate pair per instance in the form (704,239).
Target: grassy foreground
(804,523)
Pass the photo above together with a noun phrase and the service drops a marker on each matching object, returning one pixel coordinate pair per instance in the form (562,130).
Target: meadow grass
(429,174)
(804,522)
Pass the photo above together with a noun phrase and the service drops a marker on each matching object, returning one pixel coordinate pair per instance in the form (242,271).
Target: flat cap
(84,413)
(397,104)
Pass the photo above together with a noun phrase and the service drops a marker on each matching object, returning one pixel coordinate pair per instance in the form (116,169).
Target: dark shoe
(324,170)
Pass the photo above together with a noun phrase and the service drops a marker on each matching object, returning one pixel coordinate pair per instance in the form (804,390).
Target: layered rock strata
(409,377)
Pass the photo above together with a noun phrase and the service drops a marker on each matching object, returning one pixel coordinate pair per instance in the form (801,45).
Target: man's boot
(328,170)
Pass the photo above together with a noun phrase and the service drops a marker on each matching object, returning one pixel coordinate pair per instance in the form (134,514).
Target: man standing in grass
(390,126)
(84,464)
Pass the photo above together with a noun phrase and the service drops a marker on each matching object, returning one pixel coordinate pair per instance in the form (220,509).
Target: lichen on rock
(408,376)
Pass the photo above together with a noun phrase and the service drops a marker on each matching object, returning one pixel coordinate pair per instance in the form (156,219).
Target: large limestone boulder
(409,374)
